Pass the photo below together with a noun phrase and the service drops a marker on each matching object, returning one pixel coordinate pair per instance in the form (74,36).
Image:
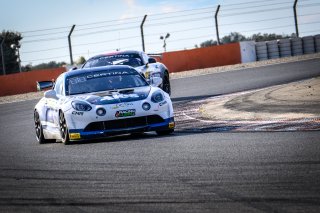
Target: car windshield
(104,81)
(132,60)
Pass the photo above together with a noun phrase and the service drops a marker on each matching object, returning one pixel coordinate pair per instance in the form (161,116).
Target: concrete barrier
(248,51)
(26,81)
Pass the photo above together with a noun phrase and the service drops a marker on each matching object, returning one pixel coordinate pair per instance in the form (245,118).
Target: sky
(110,25)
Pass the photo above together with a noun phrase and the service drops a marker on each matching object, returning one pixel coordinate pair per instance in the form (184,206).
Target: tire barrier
(297,47)
(261,50)
(308,44)
(285,47)
(317,42)
(273,49)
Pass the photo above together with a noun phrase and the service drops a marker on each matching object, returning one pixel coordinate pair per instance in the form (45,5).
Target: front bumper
(103,131)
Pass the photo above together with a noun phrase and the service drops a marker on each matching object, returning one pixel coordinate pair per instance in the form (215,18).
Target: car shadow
(142,136)
(124,138)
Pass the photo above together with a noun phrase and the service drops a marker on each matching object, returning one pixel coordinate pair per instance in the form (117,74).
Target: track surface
(186,172)
(241,80)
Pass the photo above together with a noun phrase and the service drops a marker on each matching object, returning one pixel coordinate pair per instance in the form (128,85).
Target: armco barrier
(202,57)
(26,81)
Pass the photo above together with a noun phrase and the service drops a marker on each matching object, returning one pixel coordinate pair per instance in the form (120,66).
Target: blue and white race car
(99,102)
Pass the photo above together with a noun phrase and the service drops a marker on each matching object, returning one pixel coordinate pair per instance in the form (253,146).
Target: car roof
(99,69)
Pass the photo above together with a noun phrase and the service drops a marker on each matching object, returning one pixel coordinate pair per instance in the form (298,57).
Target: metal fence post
(70,47)
(217,26)
(2,55)
(295,17)
(142,35)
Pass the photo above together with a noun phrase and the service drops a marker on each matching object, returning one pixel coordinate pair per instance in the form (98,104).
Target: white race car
(99,102)
(145,65)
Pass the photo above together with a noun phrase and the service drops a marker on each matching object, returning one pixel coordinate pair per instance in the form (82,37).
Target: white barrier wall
(248,51)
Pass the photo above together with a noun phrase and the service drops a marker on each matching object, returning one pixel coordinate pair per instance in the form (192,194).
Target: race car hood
(121,96)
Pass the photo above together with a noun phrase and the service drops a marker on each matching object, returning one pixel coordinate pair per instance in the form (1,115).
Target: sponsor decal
(128,96)
(77,80)
(99,75)
(106,98)
(125,113)
(162,103)
(81,79)
(74,136)
(121,105)
(77,113)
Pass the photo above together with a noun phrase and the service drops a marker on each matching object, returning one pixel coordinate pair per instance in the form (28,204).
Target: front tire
(39,130)
(166,84)
(64,131)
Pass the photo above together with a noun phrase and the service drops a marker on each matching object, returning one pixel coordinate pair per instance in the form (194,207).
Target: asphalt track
(185,172)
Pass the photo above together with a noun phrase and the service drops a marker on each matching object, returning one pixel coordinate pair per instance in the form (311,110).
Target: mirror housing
(73,68)
(156,81)
(51,94)
(41,85)
(152,61)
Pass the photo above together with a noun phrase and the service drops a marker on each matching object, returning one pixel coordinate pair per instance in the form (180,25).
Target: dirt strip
(298,100)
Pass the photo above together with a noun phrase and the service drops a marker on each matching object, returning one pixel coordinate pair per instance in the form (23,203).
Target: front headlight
(81,106)
(157,97)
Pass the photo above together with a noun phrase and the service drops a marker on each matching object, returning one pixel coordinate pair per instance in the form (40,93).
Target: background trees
(10,57)
(237,37)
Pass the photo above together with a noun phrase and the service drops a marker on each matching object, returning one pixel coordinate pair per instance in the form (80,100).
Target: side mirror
(74,68)
(152,61)
(51,94)
(156,81)
(41,85)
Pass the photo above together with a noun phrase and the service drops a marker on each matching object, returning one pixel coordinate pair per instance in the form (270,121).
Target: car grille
(124,123)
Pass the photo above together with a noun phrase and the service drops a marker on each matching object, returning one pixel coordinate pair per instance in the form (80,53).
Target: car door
(52,105)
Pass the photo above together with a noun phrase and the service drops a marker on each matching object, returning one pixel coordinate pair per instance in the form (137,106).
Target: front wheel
(39,130)
(166,84)
(64,131)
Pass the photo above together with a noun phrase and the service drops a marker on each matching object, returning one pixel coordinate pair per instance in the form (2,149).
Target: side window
(87,64)
(58,87)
